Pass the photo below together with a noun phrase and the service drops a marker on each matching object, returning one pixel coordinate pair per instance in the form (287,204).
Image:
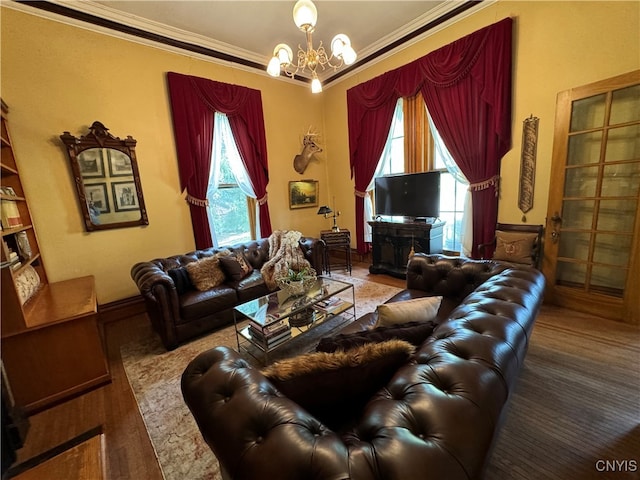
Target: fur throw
(284,253)
(316,362)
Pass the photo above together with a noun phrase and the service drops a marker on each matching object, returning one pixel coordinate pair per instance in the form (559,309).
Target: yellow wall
(557,46)
(57,77)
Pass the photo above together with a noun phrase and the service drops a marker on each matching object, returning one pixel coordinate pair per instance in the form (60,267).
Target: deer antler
(310,136)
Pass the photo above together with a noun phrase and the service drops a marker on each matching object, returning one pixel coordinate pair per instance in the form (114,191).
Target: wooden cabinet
(51,345)
(392,242)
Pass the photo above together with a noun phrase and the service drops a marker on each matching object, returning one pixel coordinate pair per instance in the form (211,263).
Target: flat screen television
(414,195)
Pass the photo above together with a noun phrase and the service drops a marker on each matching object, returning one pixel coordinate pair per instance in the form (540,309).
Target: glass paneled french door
(592,235)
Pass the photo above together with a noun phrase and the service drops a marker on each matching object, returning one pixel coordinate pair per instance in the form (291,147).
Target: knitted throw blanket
(284,254)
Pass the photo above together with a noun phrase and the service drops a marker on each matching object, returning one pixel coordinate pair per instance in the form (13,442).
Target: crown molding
(96,17)
(423,30)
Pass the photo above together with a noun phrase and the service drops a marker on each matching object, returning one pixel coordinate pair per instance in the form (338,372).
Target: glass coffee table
(267,323)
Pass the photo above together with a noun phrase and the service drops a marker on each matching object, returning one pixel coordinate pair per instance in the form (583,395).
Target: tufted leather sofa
(437,417)
(179,317)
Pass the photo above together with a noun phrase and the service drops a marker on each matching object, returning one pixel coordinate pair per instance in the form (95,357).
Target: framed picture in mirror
(124,196)
(119,164)
(97,196)
(91,163)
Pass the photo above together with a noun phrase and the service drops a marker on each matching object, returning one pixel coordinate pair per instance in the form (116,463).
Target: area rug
(154,376)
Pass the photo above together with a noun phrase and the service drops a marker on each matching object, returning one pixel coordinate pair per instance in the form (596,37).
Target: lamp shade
(339,43)
(316,86)
(284,53)
(349,55)
(305,14)
(323,210)
(273,68)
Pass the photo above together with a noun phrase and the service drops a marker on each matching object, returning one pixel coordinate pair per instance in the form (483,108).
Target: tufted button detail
(259,439)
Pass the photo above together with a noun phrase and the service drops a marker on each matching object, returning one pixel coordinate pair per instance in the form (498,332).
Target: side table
(339,242)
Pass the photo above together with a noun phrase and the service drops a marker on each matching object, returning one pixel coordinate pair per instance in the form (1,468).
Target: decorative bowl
(295,287)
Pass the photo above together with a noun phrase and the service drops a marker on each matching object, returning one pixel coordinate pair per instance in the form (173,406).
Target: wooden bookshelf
(51,344)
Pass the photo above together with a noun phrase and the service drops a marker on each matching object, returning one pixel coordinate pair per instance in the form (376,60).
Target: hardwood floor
(577,402)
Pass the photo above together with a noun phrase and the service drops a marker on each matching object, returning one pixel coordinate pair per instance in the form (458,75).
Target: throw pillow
(335,386)
(413,332)
(514,247)
(181,279)
(236,266)
(415,310)
(206,272)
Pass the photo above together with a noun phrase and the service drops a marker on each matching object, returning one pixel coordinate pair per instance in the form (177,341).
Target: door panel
(592,254)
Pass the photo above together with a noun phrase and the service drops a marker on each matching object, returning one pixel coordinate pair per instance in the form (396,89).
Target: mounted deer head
(309,148)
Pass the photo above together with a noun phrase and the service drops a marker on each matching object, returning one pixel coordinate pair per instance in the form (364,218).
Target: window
(392,160)
(452,203)
(452,188)
(228,201)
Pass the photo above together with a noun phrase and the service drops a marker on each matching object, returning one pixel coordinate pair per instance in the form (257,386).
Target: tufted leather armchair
(177,317)
(437,417)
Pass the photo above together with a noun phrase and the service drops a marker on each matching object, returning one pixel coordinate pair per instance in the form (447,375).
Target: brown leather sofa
(178,316)
(437,417)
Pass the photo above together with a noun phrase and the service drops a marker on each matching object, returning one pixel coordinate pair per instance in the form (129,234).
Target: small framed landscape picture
(119,163)
(91,163)
(96,195)
(303,194)
(124,196)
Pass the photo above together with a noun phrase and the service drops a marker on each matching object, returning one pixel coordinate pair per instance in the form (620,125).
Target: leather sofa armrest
(248,423)
(147,275)
(313,249)
(160,297)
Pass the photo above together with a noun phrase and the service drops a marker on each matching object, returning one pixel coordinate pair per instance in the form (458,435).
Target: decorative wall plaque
(528,164)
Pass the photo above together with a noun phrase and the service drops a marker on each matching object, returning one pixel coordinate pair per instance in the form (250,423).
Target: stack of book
(330,305)
(13,261)
(9,209)
(270,334)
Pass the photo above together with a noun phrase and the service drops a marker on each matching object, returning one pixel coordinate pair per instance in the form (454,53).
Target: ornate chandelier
(305,16)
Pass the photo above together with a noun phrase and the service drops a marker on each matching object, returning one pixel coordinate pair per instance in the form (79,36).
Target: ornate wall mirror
(107,179)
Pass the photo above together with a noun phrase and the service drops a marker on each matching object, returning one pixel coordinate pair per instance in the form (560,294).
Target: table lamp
(325,210)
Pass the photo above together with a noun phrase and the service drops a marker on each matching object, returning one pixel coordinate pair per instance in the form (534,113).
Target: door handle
(556,219)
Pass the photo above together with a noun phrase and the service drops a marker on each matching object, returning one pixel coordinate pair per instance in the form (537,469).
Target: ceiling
(245,32)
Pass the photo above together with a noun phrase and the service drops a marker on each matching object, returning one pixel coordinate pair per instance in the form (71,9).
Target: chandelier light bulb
(273,68)
(284,53)
(339,43)
(349,55)
(305,15)
(316,86)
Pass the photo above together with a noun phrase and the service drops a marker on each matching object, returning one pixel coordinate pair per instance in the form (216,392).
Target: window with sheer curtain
(414,145)
(230,195)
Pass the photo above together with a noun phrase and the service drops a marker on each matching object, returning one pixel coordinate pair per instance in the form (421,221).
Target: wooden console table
(392,243)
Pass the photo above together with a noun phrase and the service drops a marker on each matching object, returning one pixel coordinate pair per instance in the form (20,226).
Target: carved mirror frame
(107,179)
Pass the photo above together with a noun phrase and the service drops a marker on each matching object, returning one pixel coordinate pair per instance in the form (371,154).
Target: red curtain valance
(467,88)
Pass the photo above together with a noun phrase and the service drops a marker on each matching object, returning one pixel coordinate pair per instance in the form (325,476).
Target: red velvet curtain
(194,102)
(466,86)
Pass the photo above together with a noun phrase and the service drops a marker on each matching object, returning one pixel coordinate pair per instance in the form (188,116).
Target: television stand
(392,242)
